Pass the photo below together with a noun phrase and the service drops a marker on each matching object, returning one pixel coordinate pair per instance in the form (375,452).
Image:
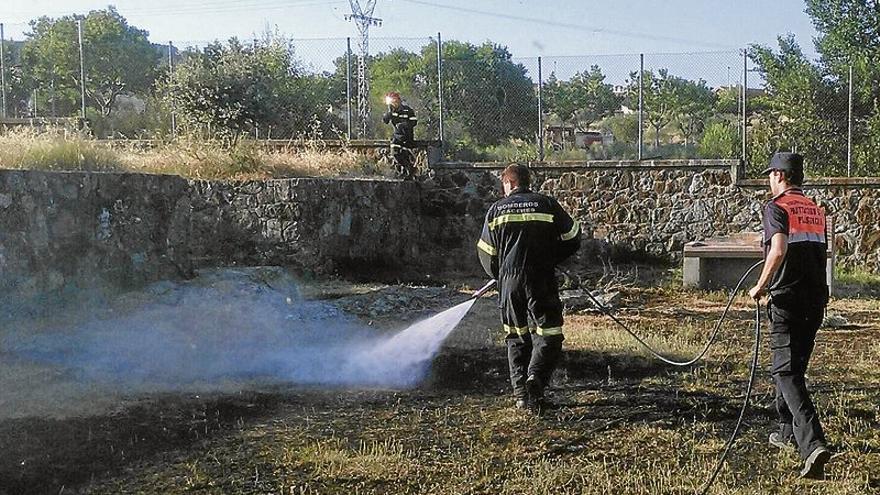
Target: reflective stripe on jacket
(806,221)
(526,231)
(404,120)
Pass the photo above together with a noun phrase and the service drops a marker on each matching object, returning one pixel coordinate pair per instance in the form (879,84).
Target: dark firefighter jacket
(526,231)
(403,118)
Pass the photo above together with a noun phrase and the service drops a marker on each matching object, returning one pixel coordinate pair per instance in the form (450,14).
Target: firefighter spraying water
(524,237)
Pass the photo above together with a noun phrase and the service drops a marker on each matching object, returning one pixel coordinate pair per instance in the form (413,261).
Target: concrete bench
(719,262)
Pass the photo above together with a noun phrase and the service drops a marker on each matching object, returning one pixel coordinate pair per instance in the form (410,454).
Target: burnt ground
(623,422)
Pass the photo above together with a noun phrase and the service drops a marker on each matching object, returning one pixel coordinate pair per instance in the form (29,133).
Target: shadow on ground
(481,369)
(43,455)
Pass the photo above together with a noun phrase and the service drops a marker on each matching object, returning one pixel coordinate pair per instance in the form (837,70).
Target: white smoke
(231,324)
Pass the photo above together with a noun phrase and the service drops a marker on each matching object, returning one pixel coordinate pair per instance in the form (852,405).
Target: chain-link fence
(827,115)
(604,107)
(483,103)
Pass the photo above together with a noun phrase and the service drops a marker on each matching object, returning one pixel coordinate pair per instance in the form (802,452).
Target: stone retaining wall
(66,231)
(313,224)
(63,230)
(632,211)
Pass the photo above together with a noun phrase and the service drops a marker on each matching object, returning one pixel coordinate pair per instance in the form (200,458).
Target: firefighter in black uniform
(794,277)
(403,118)
(524,237)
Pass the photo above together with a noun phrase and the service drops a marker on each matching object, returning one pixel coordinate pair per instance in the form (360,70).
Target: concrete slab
(719,262)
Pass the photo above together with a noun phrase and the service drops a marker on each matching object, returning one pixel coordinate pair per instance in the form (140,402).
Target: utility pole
(541,112)
(171,83)
(362,15)
(440,85)
(82,69)
(2,72)
(641,103)
(745,98)
(348,88)
(849,123)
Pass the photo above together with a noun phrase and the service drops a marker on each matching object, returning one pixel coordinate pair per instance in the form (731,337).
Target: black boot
(535,391)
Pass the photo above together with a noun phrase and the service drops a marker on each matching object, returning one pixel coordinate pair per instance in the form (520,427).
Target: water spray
(224,330)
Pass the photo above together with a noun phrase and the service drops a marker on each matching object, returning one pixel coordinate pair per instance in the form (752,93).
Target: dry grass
(187,157)
(50,151)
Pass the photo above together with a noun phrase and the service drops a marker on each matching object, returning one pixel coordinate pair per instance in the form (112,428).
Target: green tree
(728,101)
(795,102)
(118,57)
(488,98)
(692,106)
(560,98)
(488,93)
(720,139)
(18,87)
(405,72)
(624,128)
(584,99)
(658,98)
(233,88)
(849,35)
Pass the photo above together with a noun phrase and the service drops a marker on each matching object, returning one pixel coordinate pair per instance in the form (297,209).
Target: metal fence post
(745,98)
(2,72)
(82,70)
(641,103)
(440,86)
(348,87)
(171,83)
(849,124)
(540,112)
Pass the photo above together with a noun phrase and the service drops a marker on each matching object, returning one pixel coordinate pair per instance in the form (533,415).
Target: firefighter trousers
(535,351)
(793,327)
(403,159)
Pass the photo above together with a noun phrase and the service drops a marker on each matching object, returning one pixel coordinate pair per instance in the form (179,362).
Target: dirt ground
(623,422)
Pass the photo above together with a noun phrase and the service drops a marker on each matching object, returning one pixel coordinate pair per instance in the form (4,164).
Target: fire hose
(752,371)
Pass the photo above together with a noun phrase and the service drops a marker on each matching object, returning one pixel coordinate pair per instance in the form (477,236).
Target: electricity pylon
(362,15)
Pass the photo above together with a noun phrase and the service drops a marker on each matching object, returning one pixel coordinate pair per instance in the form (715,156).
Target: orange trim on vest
(804,217)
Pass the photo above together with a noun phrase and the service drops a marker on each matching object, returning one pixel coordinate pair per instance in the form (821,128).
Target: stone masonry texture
(61,231)
(67,231)
(648,212)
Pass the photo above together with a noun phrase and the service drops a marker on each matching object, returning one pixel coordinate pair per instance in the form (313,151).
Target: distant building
(567,136)
(620,90)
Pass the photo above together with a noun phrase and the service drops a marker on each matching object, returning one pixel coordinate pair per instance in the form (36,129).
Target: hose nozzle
(478,294)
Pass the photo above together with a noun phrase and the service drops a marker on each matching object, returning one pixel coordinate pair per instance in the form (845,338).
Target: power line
(233,7)
(566,25)
(200,4)
(204,7)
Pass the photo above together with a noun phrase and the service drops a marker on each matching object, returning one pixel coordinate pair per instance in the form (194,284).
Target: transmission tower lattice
(362,15)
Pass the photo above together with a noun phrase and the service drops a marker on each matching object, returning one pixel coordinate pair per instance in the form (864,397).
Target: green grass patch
(859,277)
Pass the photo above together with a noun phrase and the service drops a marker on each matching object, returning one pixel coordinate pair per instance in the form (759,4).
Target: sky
(554,29)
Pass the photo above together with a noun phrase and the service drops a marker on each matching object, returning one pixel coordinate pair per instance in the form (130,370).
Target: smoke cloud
(226,325)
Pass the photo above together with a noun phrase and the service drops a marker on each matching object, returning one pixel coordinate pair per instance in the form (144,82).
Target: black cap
(789,162)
